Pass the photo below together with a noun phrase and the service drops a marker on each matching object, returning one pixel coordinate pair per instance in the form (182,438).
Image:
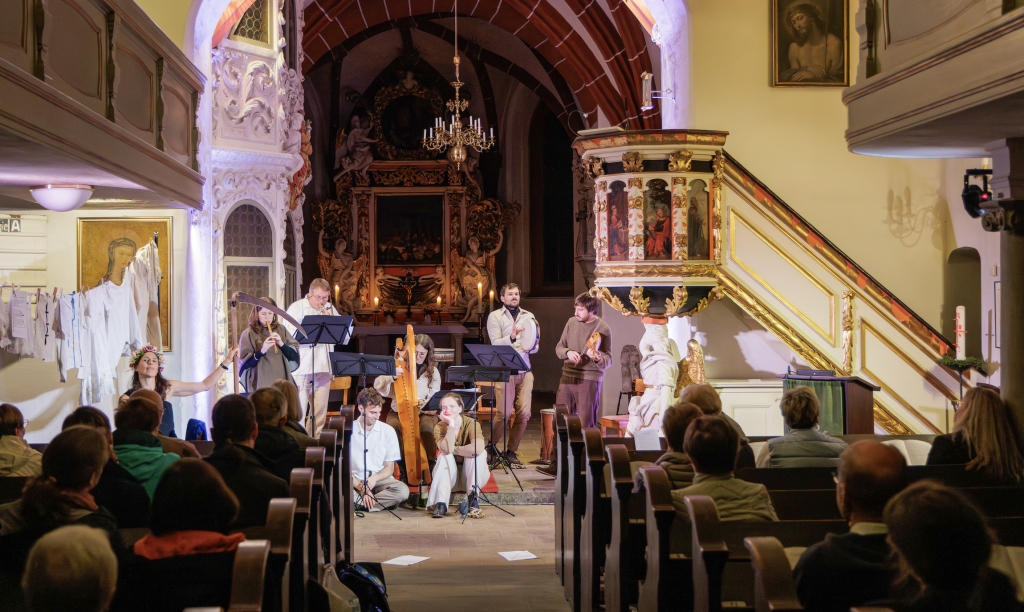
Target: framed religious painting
(108,245)
(810,43)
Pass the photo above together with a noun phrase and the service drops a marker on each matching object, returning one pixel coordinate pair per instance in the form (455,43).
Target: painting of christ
(698,245)
(618,222)
(810,43)
(657,221)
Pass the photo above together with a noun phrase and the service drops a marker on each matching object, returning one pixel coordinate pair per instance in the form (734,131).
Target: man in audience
(17,458)
(712,445)
(177,446)
(246,471)
(275,443)
(852,569)
(117,491)
(804,445)
(138,450)
(706,398)
(674,422)
(379,442)
(70,568)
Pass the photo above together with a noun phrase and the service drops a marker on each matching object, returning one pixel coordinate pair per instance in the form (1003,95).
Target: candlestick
(961,317)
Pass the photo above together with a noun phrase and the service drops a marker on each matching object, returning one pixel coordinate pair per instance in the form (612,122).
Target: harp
(407,406)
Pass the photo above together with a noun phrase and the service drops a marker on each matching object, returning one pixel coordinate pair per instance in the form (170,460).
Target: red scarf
(186,543)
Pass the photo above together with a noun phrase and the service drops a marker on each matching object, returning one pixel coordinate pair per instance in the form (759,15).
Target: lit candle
(336,290)
(376,301)
(491,304)
(438,301)
(424,133)
(480,297)
(961,317)
(492,131)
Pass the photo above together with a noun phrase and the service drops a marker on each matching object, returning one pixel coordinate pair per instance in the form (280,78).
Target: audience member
(138,450)
(187,560)
(169,444)
(275,443)
(17,458)
(674,422)
(804,445)
(852,569)
(294,426)
(59,496)
(380,443)
(984,438)
(942,547)
(706,398)
(712,445)
(70,569)
(462,437)
(248,474)
(117,491)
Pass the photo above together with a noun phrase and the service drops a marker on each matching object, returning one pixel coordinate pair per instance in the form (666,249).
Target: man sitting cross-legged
(854,568)
(712,444)
(379,442)
(457,436)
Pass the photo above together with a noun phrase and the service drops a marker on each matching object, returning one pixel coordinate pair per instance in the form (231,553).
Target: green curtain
(830,394)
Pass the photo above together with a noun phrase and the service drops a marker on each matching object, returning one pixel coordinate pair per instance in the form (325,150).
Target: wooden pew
(656,593)
(11,487)
(774,587)
(561,485)
(328,440)
(341,488)
(573,510)
(247,576)
(596,527)
(315,460)
(301,489)
(205,447)
(279,531)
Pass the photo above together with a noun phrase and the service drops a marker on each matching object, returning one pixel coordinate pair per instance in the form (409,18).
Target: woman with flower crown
(148,364)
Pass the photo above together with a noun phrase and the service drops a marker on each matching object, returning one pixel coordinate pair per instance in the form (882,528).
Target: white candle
(961,352)
(424,133)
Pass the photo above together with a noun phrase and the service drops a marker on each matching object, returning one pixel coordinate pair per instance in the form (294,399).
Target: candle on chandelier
(431,132)
(492,132)
(961,317)
(424,133)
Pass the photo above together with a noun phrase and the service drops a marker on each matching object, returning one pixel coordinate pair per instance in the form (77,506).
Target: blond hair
(986,426)
(800,407)
(291,394)
(70,568)
(319,283)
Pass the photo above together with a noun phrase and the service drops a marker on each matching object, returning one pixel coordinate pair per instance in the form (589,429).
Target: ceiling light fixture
(61,198)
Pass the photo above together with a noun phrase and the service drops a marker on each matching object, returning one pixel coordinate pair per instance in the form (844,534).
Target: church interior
(794,217)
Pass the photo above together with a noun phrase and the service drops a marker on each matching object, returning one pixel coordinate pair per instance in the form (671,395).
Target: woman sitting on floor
(457,436)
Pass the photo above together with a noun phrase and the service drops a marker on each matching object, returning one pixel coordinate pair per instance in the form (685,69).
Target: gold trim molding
(887,421)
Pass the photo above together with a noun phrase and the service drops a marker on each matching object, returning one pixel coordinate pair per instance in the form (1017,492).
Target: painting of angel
(657,221)
(618,222)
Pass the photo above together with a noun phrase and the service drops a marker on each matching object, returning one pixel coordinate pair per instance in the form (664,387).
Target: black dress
(950,449)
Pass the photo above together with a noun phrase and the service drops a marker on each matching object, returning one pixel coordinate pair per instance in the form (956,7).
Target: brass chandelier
(454,136)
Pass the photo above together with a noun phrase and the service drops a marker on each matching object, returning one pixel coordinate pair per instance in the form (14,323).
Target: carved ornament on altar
(399,110)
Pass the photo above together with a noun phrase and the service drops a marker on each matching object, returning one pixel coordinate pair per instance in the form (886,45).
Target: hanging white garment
(5,323)
(123,335)
(45,342)
(22,336)
(72,335)
(95,371)
(146,274)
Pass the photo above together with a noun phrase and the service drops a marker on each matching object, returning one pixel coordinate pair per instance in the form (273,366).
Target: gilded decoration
(635,240)
(675,303)
(889,423)
(606,296)
(679,240)
(680,161)
(409,176)
(602,206)
(636,203)
(715,295)
(595,166)
(640,303)
(633,161)
(649,137)
(718,165)
(848,332)
(600,244)
(636,181)
(678,180)
(602,186)
(656,270)
(486,221)
(386,96)
(362,201)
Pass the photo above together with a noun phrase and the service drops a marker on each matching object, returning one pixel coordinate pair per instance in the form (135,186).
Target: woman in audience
(675,462)
(138,450)
(942,547)
(984,438)
(70,568)
(148,365)
(187,560)
(804,445)
(17,458)
(294,426)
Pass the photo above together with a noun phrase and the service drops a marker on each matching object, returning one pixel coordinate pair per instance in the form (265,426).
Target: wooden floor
(465,572)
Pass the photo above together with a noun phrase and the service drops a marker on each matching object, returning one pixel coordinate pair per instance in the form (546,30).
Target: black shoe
(439,510)
(548,470)
(513,461)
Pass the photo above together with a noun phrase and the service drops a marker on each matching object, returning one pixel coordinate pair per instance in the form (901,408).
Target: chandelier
(454,136)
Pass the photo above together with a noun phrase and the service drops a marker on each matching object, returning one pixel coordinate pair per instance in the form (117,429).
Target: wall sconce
(61,198)
(648,95)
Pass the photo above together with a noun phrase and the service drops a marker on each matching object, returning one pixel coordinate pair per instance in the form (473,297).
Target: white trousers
(323,391)
(446,476)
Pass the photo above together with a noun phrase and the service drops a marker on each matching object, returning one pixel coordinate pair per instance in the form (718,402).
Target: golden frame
(782,37)
(95,231)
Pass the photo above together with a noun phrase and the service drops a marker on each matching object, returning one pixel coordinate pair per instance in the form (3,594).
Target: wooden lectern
(858,401)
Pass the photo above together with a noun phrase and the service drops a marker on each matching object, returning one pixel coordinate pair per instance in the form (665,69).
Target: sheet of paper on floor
(405,560)
(518,555)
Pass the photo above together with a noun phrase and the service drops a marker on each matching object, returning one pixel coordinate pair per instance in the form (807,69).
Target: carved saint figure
(659,367)
(474,271)
(815,55)
(691,368)
(342,272)
(353,149)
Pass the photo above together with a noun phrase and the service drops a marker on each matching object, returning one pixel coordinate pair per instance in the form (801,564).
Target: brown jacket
(461,442)
(181,448)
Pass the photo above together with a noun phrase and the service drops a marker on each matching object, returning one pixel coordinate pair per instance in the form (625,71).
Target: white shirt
(499,329)
(123,335)
(424,389)
(298,311)
(381,445)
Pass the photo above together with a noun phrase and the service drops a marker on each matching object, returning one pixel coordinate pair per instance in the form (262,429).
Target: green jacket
(141,454)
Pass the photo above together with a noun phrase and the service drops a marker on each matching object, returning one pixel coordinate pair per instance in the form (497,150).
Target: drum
(547,428)
(529,340)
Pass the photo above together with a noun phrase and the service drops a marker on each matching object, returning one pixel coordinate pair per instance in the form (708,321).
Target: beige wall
(170,15)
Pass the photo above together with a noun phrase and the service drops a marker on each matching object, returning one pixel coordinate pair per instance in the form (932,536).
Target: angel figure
(659,367)
(691,368)
(341,271)
(353,148)
(473,270)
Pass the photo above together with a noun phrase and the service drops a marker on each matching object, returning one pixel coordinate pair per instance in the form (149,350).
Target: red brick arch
(538,24)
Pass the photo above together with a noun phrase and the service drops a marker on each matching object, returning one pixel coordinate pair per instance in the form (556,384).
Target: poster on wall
(810,43)
(107,246)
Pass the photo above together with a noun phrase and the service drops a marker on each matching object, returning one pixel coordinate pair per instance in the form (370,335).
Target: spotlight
(976,199)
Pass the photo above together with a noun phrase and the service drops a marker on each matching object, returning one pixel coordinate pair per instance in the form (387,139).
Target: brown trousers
(583,397)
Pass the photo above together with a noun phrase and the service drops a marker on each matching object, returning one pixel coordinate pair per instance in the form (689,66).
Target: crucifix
(408,283)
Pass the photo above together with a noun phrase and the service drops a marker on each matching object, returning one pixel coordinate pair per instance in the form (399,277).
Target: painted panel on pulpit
(698,244)
(409,230)
(618,222)
(657,220)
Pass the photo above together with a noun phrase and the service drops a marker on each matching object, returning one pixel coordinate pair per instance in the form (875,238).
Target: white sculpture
(659,367)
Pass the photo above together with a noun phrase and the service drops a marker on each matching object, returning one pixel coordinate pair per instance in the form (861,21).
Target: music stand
(323,329)
(468,400)
(475,374)
(358,364)
(504,356)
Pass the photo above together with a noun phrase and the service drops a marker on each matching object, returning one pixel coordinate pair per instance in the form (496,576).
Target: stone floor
(465,572)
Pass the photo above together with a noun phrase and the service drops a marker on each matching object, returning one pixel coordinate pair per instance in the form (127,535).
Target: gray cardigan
(803,448)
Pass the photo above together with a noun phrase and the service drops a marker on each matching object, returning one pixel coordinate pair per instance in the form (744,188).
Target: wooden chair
(573,510)
(328,440)
(247,576)
(301,489)
(561,485)
(343,383)
(279,531)
(315,460)
(774,587)
(11,488)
